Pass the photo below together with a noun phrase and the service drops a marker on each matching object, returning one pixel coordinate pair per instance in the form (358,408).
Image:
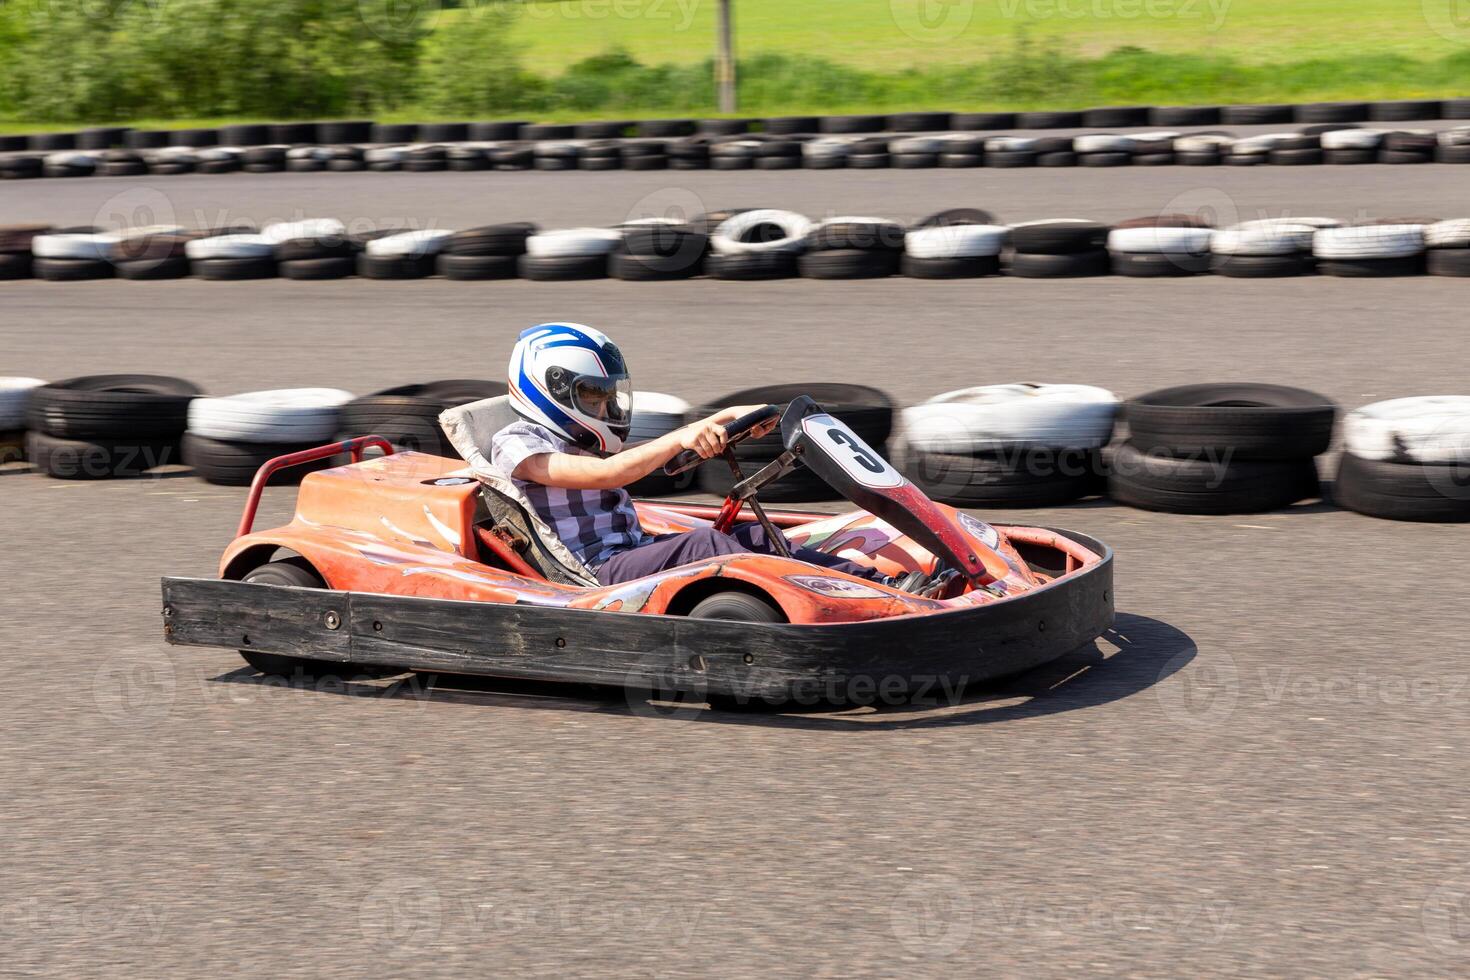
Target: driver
(570,386)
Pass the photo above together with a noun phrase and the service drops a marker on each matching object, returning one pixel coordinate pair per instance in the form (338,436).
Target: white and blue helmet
(573,380)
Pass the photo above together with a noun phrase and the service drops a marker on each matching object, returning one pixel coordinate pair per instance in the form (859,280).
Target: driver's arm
(706,437)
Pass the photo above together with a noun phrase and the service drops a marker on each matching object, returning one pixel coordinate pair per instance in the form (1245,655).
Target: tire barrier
(408,415)
(15,395)
(656,414)
(104,426)
(229,438)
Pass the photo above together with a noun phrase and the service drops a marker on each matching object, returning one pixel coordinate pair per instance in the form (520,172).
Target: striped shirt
(593,524)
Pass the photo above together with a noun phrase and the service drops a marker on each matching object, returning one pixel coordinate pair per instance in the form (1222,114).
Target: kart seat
(502,509)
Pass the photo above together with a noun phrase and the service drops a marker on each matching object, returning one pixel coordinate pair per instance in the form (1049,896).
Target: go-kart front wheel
(298,573)
(739,606)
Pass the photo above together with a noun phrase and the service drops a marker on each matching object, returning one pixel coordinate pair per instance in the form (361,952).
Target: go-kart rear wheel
(739,606)
(298,572)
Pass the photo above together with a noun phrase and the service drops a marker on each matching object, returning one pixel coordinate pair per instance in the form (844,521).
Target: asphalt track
(1261,771)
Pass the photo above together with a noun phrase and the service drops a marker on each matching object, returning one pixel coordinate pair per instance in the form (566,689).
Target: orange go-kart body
(405,524)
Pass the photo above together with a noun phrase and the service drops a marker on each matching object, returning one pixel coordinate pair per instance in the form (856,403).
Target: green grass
(871,34)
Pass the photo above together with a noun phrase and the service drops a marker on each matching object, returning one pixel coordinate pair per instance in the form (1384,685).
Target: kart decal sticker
(445,531)
(836,588)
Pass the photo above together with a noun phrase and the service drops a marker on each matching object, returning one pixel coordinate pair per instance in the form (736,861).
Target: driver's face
(596,406)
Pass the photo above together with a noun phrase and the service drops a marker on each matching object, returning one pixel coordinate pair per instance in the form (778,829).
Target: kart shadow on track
(1133,655)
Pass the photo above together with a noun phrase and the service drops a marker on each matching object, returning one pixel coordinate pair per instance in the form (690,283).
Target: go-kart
(408,561)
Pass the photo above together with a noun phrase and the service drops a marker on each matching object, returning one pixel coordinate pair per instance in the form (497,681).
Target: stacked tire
(1407,459)
(852,248)
(15,395)
(568,254)
(1159,246)
(1016,445)
(71,256)
(230,438)
(1266,248)
(759,244)
(1058,249)
(656,414)
(150,253)
(867,411)
(1447,246)
(404,255)
(1221,448)
(16,259)
(487,252)
(232,257)
(311,249)
(408,415)
(106,426)
(656,250)
(1370,251)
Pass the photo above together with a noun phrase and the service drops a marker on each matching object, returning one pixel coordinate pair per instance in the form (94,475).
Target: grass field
(888,35)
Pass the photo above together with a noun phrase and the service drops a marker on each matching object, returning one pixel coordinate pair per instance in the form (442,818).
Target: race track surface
(1260,771)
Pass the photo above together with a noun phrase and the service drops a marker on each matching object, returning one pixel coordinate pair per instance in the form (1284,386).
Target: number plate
(857,458)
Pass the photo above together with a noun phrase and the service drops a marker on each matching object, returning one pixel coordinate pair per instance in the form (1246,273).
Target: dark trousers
(672,550)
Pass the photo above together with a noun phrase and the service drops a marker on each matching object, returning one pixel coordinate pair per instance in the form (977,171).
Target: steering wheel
(736,432)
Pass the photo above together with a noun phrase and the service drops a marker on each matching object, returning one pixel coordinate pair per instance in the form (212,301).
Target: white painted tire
(995,417)
(827,146)
(794,229)
(285,231)
(1351,139)
(384,154)
(410,244)
(15,393)
(1161,240)
(1007,144)
(283,415)
(1368,242)
(655,414)
(1103,143)
(571,242)
(956,241)
(141,231)
(1203,143)
(1448,234)
(230,247)
(1454,136)
(1280,237)
(70,246)
(918,144)
(1432,429)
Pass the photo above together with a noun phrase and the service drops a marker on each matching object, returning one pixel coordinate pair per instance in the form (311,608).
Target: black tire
(123,168)
(466,268)
(659,252)
(15,265)
(1048,120)
(1349,157)
(1031,265)
(971,267)
(848,263)
(300,165)
(1016,478)
(860,235)
(1151,265)
(395,266)
(245,134)
(1260,266)
(1403,491)
(982,121)
(1153,159)
(790,125)
(1408,265)
(234,464)
(503,239)
(1294,158)
(218,166)
(234,270)
(835,161)
(852,124)
(71,270)
(1332,112)
(1059,237)
(1248,421)
(112,406)
(293,133)
(314,248)
(99,458)
(961,161)
(1111,117)
(297,573)
(338,267)
(867,411)
(737,606)
(1257,115)
(1448,262)
(1058,158)
(751,266)
(1452,154)
(20,168)
(653,268)
(600,163)
(408,415)
(868,161)
(1243,159)
(666,128)
(1405,156)
(1405,110)
(919,122)
(1010,158)
(1198,486)
(562,268)
(1104,159)
(914,161)
(1197,158)
(731,163)
(649,162)
(171,267)
(957,216)
(339,131)
(1184,115)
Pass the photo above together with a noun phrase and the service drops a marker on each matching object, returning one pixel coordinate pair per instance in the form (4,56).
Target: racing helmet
(573,380)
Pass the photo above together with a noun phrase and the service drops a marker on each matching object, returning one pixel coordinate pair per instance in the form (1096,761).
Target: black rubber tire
(299,165)
(1121,159)
(97,458)
(751,266)
(338,131)
(1447,262)
(292,133)
(1016,478)
(1048,120)
(737,606)
(654,268)
(15,265)
(1403,491)
(218,166)
(1153,159)
(1405,110)
(1033,265)
(1059,237)
(1408,265)
(1332,112)
(1058,158)
(835,161)
(919,122)
(982,121)
(867,411)
(1184,115)
(1452,154)
(20,168)
(295,572)
(112,406)
(562,268)
(71,270)
(332,267)
(1243,159)
(1349,157)
(1405,156)
(600,163)
(914,161)
(1197,158)
(790,125)
(408,415)
(1261,266)
(1191,486)
(315,248)
(123,168)
(957,216)
(848,263)
(1294,157)
(234,464)
(1257,115)
(248,134)
(648,162)
(234,270)
(477,268)
(666,127)
(1248,421)
(868,161)
(971,267)
(862,235)
(961,161)
(396,133)
(503,239)
(1152,265)
(172,267)
(731,163)
(852,124)
(1115,117)
(1010,158)
(395,266)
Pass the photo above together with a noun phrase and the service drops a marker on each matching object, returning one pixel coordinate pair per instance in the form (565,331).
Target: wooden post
(725,60)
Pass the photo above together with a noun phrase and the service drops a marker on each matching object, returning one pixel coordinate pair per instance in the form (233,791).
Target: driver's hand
(706,438)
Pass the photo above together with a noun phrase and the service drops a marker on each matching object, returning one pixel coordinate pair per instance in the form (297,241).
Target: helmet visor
(606,399)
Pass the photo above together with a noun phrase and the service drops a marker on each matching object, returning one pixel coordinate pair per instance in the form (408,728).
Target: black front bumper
(671,653)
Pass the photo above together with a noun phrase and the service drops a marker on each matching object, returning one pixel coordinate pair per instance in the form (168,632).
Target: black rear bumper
(647,651)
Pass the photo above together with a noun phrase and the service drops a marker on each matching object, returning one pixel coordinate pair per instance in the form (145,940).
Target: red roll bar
(262,475)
